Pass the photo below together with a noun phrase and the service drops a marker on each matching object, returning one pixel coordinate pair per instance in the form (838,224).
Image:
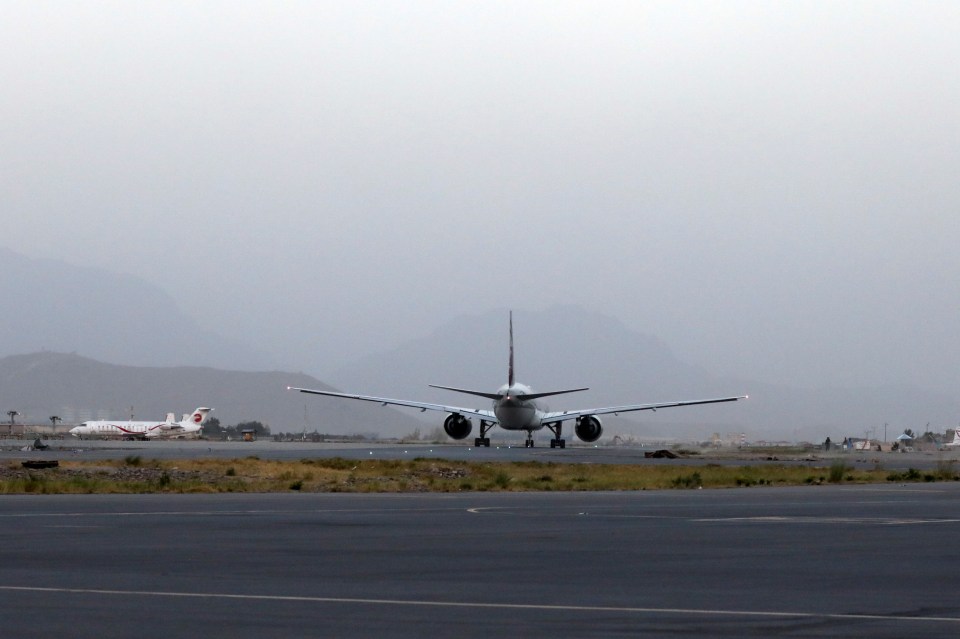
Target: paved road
(802,562)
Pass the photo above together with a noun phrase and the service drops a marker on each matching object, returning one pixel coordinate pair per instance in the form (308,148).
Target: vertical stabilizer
(510,369)
(198,417)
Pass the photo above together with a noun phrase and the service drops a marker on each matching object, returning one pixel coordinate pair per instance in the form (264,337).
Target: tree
(211,427)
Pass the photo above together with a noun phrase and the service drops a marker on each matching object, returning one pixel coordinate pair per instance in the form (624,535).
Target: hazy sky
(771,188)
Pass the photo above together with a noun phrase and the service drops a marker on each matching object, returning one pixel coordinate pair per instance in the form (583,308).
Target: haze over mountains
(121,319)
(76,389)
(570,347)
(131,345)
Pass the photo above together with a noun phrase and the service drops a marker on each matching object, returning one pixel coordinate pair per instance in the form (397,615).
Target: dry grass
(135,475)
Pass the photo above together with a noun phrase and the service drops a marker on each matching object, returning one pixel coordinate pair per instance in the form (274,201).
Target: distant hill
(76,388)
(569,347)
(52,305)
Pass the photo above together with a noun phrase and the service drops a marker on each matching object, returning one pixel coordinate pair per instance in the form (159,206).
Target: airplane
(956,438)
(189,426)
(516,407)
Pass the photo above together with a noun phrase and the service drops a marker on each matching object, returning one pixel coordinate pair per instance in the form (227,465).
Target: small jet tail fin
(171,418)
(198,417)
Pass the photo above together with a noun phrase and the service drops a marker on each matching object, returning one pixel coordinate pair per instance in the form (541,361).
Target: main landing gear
(483,440)
(557,441)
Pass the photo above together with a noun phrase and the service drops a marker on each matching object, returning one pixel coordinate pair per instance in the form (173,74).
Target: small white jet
(516,407)
(187,427)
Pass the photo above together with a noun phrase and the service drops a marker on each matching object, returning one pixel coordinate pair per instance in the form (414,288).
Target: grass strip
(251,474)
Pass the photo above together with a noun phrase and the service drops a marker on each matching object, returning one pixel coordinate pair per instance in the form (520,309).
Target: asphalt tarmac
(815,561)
(578,453)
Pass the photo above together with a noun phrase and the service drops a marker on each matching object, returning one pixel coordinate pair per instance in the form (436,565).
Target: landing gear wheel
(481,441)
(557,442)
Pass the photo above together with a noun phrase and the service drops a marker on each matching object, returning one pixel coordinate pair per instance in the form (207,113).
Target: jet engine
(588,428)
(457,426)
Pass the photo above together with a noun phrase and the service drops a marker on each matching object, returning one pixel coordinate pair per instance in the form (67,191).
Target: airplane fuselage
(515,413)
(126,430)
(189,427)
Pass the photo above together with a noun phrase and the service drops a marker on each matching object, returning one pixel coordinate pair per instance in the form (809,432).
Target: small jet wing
(486,415)
(561,416)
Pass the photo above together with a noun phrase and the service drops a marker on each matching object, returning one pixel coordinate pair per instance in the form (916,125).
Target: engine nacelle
(457,426)
(588,428)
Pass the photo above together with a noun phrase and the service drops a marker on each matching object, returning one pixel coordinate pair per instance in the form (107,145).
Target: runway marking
(878,521)
(784,614)
(535,512)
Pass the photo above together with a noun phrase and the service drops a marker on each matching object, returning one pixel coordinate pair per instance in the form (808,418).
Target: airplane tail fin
(198,417)
(510,376)
(510,381)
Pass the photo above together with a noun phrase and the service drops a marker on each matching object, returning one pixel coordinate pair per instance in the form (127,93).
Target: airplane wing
(486,415)
(562,416)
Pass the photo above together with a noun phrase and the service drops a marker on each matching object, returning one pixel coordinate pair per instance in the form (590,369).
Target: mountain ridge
(76,388)
(108,316)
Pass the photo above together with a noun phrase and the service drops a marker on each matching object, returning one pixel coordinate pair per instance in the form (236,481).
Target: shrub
(687,481)
(837,471)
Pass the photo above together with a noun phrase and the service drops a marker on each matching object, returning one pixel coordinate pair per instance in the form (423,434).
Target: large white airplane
(517,407)
(187,427)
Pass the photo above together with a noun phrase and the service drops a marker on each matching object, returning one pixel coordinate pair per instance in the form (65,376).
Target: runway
(576,453)
(825,561)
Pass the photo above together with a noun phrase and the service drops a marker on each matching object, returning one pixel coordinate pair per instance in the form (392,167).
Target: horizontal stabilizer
(495,396)
(549,393)
(468,392)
